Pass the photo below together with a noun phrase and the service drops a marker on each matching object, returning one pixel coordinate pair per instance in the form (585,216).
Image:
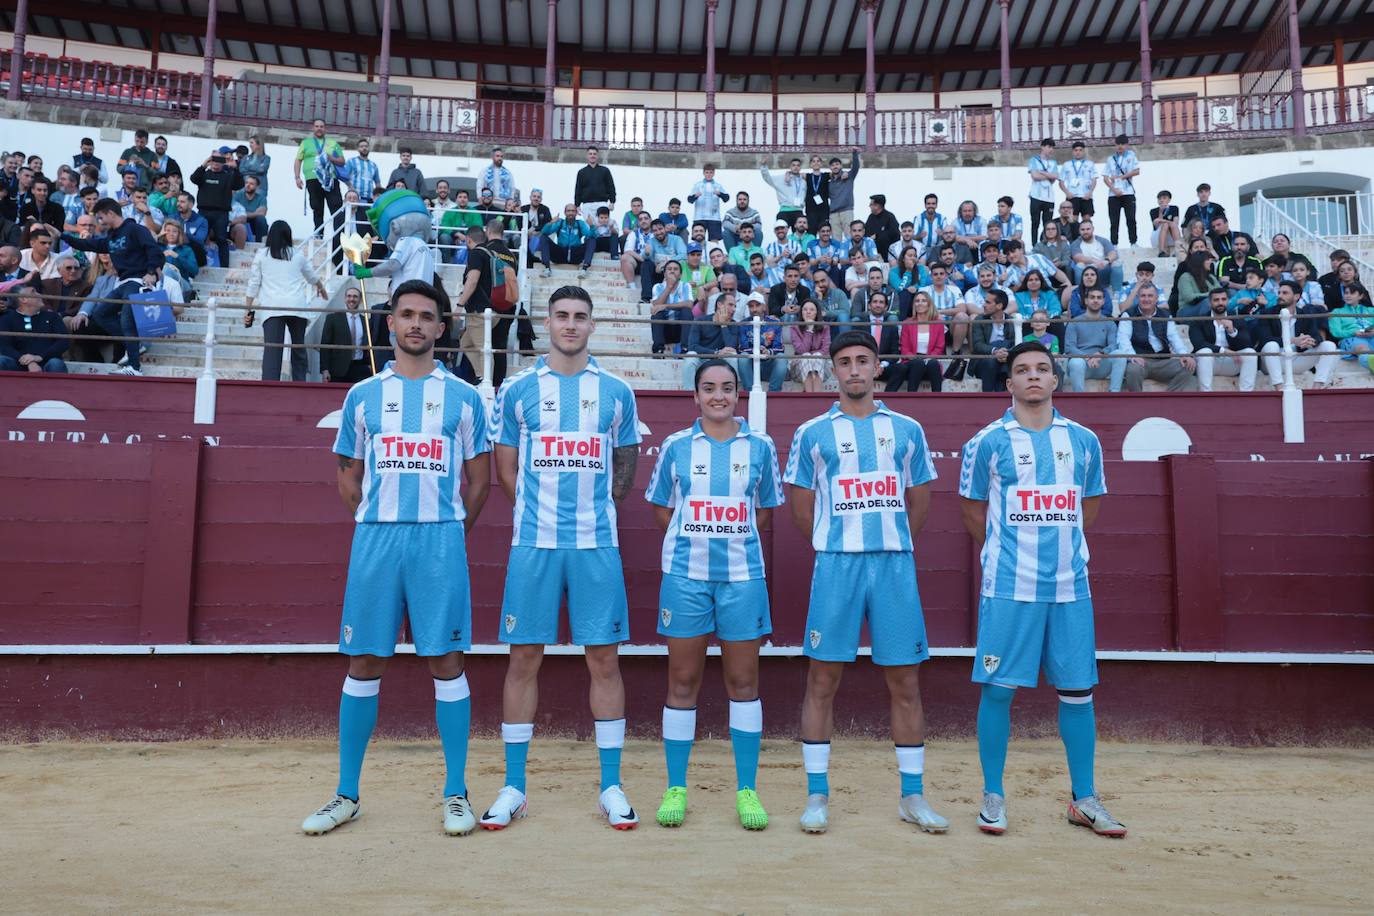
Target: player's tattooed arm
(350,481)
(623,461)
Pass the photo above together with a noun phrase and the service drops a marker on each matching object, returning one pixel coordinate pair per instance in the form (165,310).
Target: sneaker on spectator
(124,360)
(127,370)
(546,272)
(582,272)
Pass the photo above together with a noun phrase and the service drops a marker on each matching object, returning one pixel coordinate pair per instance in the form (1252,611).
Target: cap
(756,296)
(694,248)
(225,149)
(781,224)
(879,199)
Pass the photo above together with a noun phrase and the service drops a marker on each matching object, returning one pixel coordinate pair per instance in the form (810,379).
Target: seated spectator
(1223,345)
(736,274)
(634,248)
(780,251)
(1034,295)
(675,219)
(1204,210)
(1088,338)
(630,221)
(801,233)
(41,210)
(921,343)
(828,254)
(929,222)
(990,258)
(454,224)
(443,199)
(785,299)
(161,198)
(858,238)
(743,252)
(1223,238)
(407,173)
(1019,263)
(976,296)
(949,305)
(856,277)
(906,240)
(905,279)
(1144,276)
(196,227)
(567,241)
(343,329)
(662,249)
(1195,284)
(833,303)
(537,216)
(1253,297)
(1154,335)
(670,301)
(251,224)
(757,280)
(38,258)
(604,236)
(1076,296)
(772,366)
(1194,232)
(859,298)
(1231,269)
(1311,338)
(1165,236)
(63,292)
(962,254)
(279,282)
(993,336)
(1097,251)
(1010,225)
(31,354)
(738,216)
(11,266)
(810,340)
(1067,223)
(140,210)
(87,157)
(701,277)
(1352,323)
(1281,247)
(1043,333)
(1302,275)
(710,335)
(178,254)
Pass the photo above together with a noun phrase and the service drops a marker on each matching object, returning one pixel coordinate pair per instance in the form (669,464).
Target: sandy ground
(213,827)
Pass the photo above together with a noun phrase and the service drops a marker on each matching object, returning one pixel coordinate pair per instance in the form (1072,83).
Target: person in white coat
(279,285)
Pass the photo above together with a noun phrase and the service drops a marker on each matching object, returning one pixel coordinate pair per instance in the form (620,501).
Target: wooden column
(1147,92)
(550,73)
(870,78)
(384,71)
(1005,41)
(21,29)
(207,79)
(711,73)
(1295,65)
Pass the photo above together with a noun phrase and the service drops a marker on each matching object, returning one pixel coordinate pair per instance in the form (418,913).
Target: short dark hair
(1293,285)
(755,257)
(1079,144)
(403,150)
(107,205)
(908,224)
(477,234)
(422,288)
(836,160)
(1204,187)
(934,197)
(1274,260)
(997,295)
(713,364)
(657,222)
(674,200)
(85,141)
(603,211)
(141,133)
(1147,266)
(1219,290)
(1168,194)
(570,291)
(636,200)
(792,267)
(794,159)
(1101,293)
(1027,346)
(497,149)
(1048,141)
(847,339)
(89,190)
(1122,138)
(1006,200)
(1011,245)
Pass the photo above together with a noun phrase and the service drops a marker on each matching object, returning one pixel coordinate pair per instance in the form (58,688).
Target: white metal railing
(1293,426)
(1272,217)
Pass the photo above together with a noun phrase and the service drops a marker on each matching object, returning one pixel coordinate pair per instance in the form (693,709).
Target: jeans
(728,237)
(992,373)
(117,319)
(565,254)
(318,198)
(774,372)
(500,340)
(1079,371)
(1115,278)
(219,231)
(274,332)
(664,334)
(607,243)
(648,276)
(10,364)
(1115,205)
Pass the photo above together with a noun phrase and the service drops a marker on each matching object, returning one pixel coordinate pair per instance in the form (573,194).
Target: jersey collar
(835,413)
(699,433)
(1009,420)
(541,366)
(389,371)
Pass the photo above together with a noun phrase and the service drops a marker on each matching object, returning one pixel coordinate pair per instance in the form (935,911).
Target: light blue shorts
(407,569)
(537,579)
(1347,345)
(846,589)
(734,611)
(1017,638)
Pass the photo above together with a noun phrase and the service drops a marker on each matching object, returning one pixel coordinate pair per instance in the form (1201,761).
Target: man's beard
(413,350)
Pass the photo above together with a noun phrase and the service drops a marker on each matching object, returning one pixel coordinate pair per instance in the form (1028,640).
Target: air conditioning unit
(1223,115)
(937,130)
(1076,124)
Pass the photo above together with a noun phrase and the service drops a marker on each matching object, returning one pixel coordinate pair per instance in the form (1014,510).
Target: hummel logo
(457,635)
(699,470)
(846,448)
(1023,459)
(392,407)
(550,405)
(615,627)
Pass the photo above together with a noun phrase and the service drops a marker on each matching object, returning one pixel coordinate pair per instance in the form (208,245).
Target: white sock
(816,757)
(747,716)
(452,691)
(611,732)
(517,733)
(678,725)
(911,759)
(356,688)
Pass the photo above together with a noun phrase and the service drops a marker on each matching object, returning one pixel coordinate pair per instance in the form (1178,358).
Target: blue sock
(994,732)
(679,730)
(817,783)
(610,739)
(610,767)
(746,734)
(912,784)
(517,739)
(676,753)
(357,718)
(453,715)
(1078,729)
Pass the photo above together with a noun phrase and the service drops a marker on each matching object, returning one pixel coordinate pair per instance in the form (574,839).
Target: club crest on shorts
(666,615)
(815,638)
(348,634)
(510,623)
(990,663)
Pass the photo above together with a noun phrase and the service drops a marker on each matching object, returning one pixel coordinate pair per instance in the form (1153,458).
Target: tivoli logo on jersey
(1051,506)
(717,517)
(410,453)
(578,452)
(871,491)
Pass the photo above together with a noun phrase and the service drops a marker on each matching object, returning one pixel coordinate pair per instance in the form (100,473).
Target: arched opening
(1330,204)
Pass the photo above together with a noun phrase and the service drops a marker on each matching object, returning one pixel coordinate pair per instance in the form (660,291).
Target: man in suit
(344,328)
(1228,338)
(993,336)
(881,323)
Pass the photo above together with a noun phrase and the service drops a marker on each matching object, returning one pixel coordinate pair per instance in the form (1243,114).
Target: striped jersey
(860,470)
(714,489)
(566,428)
(412,436)
(1034,484)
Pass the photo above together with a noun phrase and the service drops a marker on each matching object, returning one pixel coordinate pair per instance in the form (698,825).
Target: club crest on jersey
(885,443)
(588,405)
(815,638)
(392,406)
(666,615)
(739,469)
(431,407)
(348,634)
(510,623)
(550,405)
(1062,456)
(991,662)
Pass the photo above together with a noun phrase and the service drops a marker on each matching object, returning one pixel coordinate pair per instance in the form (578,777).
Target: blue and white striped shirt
(928,228)
(1011,226)
(1034,484)
(973,228)
(1034,261)
(1119,164)
(1078,176)
(363,178)
(1040,189)
(860,470)
(707,203)
(412,436)
(781,252)
(714,489)
(566,428)
(500,180)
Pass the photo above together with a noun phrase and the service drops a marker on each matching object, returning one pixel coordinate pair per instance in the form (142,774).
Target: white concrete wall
(904,187)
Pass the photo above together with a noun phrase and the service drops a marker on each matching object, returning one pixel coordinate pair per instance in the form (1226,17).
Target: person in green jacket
(453,221)
(1352,324)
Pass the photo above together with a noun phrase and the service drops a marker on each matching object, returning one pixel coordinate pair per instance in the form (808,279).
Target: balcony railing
(177,94)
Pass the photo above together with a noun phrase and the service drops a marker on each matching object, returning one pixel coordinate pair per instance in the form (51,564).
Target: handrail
(1270,219)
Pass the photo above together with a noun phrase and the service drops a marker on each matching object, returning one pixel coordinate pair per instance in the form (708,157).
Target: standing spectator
(257,163)
(86,157)
(1087,339)
(922,342)
(363,175)
(1155,334)
(497,177)
(479,279)
(1223,346)
(1078,180)
(1119,175)
(165,164)
(993,336)
(140,158)
(790,188)
(738,216)
(279,281)
(31,354)
(817,201)
(1204,210)
(216,185)
(670,301)
(841,187)
(568,241)
(252,225)
(772,365)
(314,165)
(1044,173)
(505,294)
(1097,251)
(595,187)
(343,329)
(706,197)
(407,172)
(810,340)
(1164,218)
(881,226)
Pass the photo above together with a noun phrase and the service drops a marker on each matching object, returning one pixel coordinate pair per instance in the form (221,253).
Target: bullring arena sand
(212,827)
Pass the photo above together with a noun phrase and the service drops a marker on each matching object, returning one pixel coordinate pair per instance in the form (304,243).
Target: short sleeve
(801,469)
(473,432)
(352,427)
(661,482)
(975,471)
(769,491)
(627,429)
(505,421)
(1094,477)
(918,468)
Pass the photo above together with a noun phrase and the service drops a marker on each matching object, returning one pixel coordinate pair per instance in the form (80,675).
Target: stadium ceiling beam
(234,26)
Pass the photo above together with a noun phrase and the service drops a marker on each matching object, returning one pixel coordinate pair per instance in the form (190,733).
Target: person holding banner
(714,485)
(1030,485)
(137,258)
